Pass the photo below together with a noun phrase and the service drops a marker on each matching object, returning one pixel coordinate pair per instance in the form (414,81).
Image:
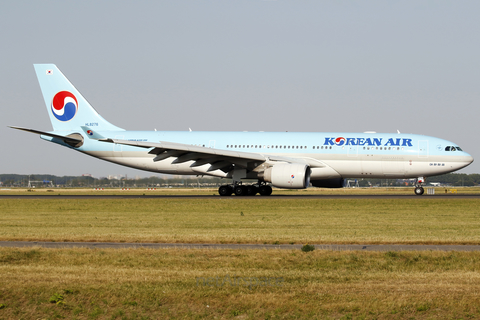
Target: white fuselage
(352,155)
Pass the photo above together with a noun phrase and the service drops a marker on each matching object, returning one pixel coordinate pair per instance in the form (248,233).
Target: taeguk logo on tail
(64,106)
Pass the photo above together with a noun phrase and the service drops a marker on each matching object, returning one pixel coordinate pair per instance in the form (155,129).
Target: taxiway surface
(333,247)
(273,197)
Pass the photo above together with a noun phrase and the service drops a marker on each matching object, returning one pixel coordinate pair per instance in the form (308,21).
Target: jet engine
(288,175)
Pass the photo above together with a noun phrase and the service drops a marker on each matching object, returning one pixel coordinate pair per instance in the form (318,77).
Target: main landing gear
(245,190)
(418,186)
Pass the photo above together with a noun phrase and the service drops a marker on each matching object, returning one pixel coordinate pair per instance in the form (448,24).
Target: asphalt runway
(272,197)
(332,247)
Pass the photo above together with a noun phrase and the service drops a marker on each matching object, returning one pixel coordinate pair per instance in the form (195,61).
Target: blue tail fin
(67,108)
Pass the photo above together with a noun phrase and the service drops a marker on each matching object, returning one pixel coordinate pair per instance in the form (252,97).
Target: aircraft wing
(217,158)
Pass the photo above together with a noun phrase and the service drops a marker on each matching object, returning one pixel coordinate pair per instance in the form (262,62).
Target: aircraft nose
(468,158)
(465,160)
(461,161)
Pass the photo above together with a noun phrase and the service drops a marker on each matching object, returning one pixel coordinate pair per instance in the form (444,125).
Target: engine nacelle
(288,175)
(329,183)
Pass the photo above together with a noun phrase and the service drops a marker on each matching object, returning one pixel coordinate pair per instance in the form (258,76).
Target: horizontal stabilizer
(69,140)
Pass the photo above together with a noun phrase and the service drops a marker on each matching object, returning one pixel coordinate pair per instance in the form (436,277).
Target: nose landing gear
(418,186)
(419,191)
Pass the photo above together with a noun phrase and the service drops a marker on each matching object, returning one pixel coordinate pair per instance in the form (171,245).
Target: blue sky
(310,66)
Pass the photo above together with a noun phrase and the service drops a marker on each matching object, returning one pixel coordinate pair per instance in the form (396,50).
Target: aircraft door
(352,151)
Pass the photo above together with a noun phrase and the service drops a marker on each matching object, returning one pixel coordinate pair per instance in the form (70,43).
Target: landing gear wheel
(225,191)
(419,191)
(252,190)
(240,191)
(265,190)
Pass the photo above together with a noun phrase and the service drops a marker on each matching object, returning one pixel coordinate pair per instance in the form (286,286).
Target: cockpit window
(452,148)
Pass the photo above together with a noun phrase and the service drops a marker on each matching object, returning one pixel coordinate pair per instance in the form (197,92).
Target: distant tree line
(47,180)
(449,179)
(43,180)
(457,179)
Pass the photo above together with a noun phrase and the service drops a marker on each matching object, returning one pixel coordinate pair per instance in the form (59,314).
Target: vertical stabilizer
(67,108)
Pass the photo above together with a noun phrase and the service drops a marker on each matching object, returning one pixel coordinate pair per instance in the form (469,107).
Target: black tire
(225,191)
(240,191)
(419,191)
(265,190)
(269,190)
(252,190)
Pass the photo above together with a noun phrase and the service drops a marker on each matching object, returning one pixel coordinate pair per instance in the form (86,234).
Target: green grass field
(232,220)
(237,284)
(38,283)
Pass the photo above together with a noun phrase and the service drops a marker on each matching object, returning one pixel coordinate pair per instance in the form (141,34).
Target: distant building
(115,177)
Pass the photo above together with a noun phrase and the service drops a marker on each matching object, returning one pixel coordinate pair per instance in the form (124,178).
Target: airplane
(291,160)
